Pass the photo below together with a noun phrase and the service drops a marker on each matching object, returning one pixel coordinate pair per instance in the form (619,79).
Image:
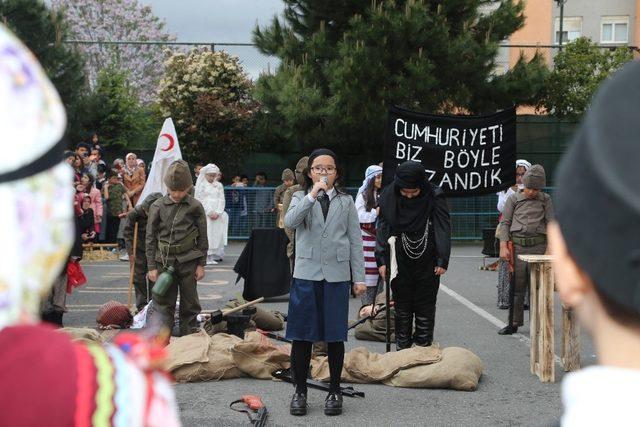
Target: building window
(571,29)
(615,29)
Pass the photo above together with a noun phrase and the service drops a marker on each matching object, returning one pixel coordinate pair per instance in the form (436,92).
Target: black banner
(465,155)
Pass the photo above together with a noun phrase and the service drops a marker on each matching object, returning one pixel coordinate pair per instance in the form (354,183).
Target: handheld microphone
(324,179)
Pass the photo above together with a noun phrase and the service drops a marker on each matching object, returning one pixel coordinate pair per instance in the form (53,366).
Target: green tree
(113,108)
(345,62)
(579,70)
(209,97)
(42,31)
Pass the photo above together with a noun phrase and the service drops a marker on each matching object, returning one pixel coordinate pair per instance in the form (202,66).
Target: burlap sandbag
(83,334)
(219,364)
(263,319)
(459,369)
(257,356)
(362,366)
(186,350)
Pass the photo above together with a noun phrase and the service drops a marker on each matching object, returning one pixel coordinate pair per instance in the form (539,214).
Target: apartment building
(606,22)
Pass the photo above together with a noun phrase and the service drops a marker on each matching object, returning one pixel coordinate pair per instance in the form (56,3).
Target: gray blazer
(330,250)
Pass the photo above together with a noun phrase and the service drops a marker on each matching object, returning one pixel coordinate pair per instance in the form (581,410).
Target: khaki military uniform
(376,329)
(290,232)
(524,222)
(177,235)
(139,215)
(277,198)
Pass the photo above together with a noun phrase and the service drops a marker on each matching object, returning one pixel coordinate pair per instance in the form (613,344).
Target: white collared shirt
(601,396)
(331,193)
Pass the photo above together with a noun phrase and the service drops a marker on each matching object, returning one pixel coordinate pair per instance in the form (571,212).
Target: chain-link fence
(253,207)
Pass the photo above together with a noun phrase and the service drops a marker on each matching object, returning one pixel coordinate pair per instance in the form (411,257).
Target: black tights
(301,357)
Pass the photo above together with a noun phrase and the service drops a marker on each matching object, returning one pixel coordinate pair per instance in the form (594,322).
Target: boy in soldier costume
(139,215)
(286,201)
(525,217)
(375,329)
(177,236)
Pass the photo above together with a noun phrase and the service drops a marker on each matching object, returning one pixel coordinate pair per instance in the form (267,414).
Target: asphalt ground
(467,316)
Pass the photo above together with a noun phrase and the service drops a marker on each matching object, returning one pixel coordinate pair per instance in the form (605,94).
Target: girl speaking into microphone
(328,257)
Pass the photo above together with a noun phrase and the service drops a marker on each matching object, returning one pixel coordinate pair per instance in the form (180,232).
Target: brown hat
(535,178)
(287,174)
(300,166)
(178,176)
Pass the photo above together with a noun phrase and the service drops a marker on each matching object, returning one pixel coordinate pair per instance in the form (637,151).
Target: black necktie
(324,204)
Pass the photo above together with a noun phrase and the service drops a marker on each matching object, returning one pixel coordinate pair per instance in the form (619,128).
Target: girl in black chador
(416,212)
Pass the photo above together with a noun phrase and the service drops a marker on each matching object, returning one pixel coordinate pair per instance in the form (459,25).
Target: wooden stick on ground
(235,309)
(132,263)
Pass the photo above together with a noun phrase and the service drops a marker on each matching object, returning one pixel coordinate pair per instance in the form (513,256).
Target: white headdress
(371,172)
(522,162)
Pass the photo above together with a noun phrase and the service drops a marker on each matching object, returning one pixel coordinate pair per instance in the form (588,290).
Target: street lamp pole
(561,5)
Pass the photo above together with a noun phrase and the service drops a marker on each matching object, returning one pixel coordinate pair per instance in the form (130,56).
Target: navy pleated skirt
(318,311)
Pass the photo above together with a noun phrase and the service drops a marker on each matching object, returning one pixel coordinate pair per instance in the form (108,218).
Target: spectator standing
(96,200)
(114,193)
(86,225)
(118,166)
(82,149)
(134,178)
(238,207)
(196,169)
(78,168)
(263,202)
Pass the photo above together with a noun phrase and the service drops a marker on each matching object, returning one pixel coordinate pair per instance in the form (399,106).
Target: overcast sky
(220,21)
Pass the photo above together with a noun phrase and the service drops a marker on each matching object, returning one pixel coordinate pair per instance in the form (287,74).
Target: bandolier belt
(529,241)
(186,244)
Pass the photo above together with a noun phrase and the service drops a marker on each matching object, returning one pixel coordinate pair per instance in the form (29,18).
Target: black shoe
(298,404)
(333,404)
(508,330)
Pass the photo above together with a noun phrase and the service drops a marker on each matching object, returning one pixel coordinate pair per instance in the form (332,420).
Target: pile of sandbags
(200,357)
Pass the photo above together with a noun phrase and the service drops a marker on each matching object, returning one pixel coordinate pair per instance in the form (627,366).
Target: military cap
(178,176)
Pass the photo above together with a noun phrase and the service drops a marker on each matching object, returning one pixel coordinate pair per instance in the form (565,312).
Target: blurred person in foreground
(596,244)
(46,377)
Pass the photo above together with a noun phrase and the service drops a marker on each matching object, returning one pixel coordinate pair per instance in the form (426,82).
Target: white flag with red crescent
(167,151)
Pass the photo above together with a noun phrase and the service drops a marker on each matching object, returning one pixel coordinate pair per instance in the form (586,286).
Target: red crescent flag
(167,151)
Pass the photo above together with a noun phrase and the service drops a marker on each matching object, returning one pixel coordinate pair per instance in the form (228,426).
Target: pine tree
(345,62)
(42,31)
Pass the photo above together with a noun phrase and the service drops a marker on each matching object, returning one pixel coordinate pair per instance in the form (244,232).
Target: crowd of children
(104,195)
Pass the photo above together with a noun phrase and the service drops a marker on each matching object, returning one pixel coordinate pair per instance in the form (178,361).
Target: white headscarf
(522,162)
(36,221)
(201,183)
(371,172)
(128,170)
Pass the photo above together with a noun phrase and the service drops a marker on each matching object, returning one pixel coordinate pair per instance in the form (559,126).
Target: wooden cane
(132,263)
